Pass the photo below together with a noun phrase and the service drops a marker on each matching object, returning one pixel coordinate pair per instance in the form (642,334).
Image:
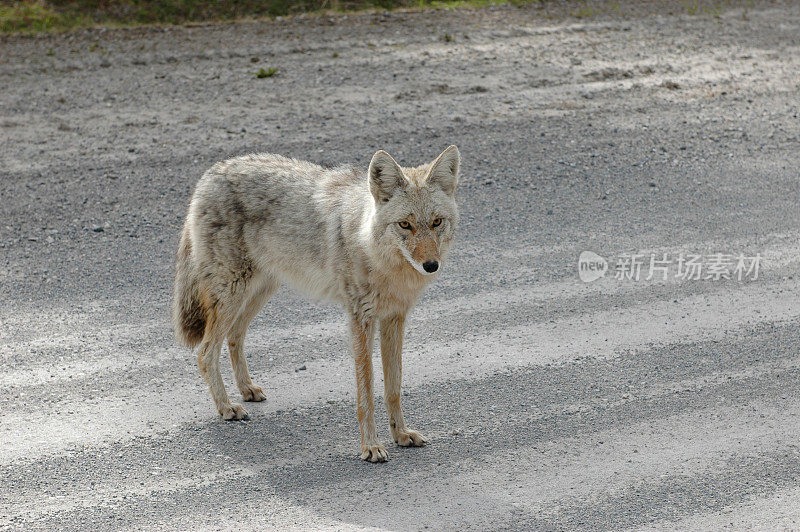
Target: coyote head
(415,208)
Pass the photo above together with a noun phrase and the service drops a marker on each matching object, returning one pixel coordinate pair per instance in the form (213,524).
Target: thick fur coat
(369,241)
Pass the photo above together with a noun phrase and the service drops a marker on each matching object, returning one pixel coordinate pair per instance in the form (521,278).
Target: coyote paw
(374,453)
(233,412)
(409,438)
(253,393)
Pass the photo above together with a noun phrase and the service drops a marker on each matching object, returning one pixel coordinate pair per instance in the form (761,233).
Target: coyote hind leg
(250,392)
(219,317)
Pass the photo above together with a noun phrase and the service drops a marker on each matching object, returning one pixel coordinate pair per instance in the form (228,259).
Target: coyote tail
(188,311)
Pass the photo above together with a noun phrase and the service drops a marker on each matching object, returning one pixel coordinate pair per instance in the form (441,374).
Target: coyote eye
(437,222)
(404,224)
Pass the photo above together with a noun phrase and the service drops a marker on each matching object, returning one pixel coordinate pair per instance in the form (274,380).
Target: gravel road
(647,128)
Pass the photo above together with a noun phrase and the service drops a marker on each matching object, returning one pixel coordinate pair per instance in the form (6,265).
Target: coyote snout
(425,257)
(370,241)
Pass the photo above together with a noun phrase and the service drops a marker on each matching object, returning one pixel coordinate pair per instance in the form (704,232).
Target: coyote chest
(396,291)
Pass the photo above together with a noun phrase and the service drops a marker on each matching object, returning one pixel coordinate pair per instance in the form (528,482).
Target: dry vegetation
(37,16)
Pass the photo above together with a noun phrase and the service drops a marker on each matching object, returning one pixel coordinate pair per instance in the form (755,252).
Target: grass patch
(265,73)
(584,12)
(39,16)
(35,17)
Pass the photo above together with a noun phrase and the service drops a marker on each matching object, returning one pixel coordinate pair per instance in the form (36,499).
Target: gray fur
(259,220)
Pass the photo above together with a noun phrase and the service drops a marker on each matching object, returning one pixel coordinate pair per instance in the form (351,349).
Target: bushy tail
(188,312)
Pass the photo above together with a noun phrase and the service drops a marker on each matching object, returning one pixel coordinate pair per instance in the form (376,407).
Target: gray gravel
(550,403)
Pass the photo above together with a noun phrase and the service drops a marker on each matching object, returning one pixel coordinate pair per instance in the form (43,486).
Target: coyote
(370,243)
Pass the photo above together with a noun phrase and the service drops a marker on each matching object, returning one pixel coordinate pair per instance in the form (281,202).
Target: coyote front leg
(363,336)
(392,358)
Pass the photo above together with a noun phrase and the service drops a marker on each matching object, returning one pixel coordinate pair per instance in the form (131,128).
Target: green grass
(39,16)
(584,12)
(266,73)
(42,16)
(34,17)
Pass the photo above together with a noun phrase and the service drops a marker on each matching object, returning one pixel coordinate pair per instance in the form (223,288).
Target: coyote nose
(430,266)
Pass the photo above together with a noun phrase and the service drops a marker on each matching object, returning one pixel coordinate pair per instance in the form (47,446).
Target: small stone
(455,432)
(98,229)
(301,368)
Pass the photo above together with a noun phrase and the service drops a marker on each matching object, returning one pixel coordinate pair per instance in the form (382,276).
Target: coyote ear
(444,170)
(385,176)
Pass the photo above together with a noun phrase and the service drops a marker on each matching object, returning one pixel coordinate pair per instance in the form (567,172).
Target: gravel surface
(648,127)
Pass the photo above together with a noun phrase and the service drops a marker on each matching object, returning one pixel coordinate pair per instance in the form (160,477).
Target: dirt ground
(650,128)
